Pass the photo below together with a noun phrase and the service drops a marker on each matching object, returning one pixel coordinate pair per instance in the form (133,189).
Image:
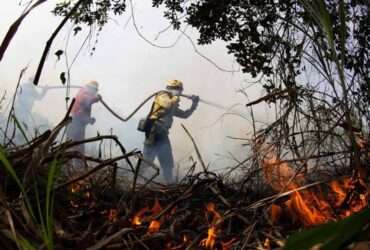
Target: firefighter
(27,96)
(81,113)
(160,118)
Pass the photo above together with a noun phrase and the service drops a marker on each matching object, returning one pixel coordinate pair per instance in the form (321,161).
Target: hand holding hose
(195,99)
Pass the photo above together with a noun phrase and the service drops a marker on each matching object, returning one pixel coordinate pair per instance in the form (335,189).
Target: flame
(339,192)
(154,225)
(308,209)
(217,218)
(81,194)
(311,207)
(137,219)
(79,186)
(276,211)
(157,208)
(210,241)
(75,187)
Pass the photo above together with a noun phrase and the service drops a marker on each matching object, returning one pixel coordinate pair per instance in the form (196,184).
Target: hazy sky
(128,70)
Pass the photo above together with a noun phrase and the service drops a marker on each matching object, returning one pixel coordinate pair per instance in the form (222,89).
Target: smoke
(128,70)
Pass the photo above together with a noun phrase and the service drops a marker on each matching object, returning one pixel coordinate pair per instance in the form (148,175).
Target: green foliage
(92,12)
(330,236)
(8,167)
(45,220)
(267,37)
(19,126)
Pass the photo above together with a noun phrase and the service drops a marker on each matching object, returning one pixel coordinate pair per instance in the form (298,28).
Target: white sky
(128,70)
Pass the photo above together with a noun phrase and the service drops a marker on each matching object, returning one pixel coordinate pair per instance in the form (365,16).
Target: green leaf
(25,244)
(9,168)
(53,173)
(19,126)
(330,236)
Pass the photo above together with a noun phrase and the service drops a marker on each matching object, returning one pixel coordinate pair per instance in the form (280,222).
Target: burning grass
(203,211)
(331,201)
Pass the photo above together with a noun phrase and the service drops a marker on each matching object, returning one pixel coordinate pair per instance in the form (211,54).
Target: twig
(196,149)
(13,101)
(100,166)
(106,241)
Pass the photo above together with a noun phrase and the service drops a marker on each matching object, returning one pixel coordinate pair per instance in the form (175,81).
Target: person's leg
(149,154)
(166,160)
(79,135)
(76,132)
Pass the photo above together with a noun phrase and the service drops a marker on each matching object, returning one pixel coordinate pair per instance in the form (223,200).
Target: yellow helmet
(93,84)
(174,84)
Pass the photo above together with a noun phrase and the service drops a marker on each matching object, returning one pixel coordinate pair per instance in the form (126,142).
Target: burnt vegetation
(309,168)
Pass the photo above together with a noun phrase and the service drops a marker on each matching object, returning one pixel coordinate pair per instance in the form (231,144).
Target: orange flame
(75,187)
(154,225)
(276,211)
(210,241)
(84,197)
(309,207)
(137,219)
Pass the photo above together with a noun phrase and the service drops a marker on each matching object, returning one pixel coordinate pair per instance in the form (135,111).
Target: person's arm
(89,100)
(187,113)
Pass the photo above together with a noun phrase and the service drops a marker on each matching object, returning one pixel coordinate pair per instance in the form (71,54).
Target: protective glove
(195,99)
(99,97)
(92,120)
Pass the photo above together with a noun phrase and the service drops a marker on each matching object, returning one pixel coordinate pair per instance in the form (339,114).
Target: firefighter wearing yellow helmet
(164,108)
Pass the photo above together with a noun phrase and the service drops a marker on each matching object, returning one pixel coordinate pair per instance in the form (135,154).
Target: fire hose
(59,87)
(133,113)
(215,105)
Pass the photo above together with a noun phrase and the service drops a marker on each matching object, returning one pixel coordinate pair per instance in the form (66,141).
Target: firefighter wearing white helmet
(160,118)
(28,94)
(81,112)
